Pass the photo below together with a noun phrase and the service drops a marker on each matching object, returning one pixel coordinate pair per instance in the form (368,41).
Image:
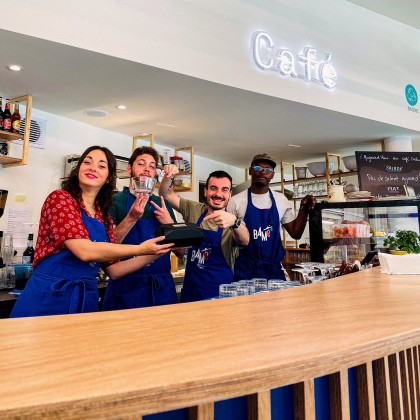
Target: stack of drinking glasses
(255,285)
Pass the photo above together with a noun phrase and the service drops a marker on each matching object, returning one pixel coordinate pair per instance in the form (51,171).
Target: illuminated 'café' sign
(285,62)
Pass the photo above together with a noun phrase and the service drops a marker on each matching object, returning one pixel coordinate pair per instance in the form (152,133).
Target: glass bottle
(1,114)
(3,144)
(28,254)
(7,117)
(16,119)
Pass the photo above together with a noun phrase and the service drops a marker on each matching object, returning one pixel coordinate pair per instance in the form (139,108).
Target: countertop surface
(160,358)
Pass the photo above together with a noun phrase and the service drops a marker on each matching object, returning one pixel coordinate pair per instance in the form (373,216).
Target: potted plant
(404,242)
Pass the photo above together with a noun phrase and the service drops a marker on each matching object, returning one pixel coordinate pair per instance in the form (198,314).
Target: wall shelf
(7,160)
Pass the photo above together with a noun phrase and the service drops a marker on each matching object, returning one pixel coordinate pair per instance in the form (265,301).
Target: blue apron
(263,255)
(152,285)
(206,267)
(62,283)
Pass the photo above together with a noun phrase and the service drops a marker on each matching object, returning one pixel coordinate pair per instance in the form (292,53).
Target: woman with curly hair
(76,239)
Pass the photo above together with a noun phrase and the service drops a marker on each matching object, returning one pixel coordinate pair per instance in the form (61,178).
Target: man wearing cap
(264,212)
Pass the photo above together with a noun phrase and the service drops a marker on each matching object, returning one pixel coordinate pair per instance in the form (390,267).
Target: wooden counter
(125,364)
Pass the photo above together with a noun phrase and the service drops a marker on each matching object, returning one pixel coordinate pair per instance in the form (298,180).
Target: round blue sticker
(411,95)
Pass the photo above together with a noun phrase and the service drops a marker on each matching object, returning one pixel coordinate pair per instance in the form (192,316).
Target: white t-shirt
(239,202)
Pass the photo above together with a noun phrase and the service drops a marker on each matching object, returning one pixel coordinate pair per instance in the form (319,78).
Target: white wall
(375,57)
(45,167)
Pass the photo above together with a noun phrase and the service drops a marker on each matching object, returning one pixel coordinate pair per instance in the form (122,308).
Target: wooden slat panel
(381,395)
(388,389)
(304,400)
(395,385)
(259,406)
(416,378)
(201,412)
(365,395)
(411,386)
(339,395)
(404,386)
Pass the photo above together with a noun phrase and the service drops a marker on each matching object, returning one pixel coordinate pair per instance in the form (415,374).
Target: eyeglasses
(260,168)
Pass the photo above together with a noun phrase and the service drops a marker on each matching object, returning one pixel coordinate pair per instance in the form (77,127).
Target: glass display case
(349,230)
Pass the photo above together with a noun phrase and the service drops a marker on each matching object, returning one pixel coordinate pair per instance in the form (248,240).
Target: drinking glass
(310,189)
(276,284)
(143,184)
(6,251)
(300,191)
(249,286)
(305,272)
(260,285)
(316,279)
(227,290)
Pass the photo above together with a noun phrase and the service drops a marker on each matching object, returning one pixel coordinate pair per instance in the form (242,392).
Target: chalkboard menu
(384,174)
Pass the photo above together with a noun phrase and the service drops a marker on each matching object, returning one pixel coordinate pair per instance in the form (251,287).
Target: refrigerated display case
(349,230)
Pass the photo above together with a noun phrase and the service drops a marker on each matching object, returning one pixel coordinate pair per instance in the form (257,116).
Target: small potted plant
(404,242)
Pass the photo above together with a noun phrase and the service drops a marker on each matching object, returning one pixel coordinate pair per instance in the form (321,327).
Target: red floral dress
(61,219)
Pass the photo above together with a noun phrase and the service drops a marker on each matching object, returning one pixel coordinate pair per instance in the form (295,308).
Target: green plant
(404,240)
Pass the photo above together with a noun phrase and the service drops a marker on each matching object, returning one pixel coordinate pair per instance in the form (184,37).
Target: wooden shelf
(7,160)
(5,135)
(334,175)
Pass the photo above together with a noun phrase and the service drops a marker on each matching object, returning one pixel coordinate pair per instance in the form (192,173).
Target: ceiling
(225,124)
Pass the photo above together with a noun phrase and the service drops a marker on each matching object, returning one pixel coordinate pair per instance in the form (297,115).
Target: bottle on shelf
(16,119)
(3,145)
(7,117)
(1,114)
(28,254)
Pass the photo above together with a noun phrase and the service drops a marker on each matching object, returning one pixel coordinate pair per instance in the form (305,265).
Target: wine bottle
(28,254)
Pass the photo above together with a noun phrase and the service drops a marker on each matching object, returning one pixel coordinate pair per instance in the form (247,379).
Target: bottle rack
(7,160)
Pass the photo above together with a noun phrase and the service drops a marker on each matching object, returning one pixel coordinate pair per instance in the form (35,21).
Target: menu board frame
(388,174)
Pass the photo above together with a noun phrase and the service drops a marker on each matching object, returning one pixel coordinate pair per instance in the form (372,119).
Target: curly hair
(105,196)
(144,150)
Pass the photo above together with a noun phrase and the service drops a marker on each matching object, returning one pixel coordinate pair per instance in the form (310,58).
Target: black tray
(181,234)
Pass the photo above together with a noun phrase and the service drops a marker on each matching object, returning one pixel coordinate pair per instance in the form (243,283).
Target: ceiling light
(165,125)
(143,134)
(121,107)
(294,145)
(96,113)
(15,67)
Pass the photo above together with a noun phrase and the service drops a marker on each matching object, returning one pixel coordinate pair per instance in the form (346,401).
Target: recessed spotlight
(96,113)
(294,145)
(15,67)
(121,107)
(165,125)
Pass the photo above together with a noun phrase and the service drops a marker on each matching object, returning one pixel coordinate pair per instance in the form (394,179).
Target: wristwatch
(237,223)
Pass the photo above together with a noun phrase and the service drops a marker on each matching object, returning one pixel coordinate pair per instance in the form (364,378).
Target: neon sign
(285,62)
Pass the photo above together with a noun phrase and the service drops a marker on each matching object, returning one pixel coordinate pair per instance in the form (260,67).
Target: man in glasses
(264,212)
